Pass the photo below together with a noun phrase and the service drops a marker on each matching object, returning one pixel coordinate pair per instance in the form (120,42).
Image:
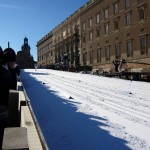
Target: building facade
(45,51)
(102,31)
(24,58)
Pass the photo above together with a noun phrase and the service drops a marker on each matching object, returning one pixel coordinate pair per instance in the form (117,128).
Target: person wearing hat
(13,67)
(6,80)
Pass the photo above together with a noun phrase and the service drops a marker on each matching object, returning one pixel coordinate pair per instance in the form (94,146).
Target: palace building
(98,33)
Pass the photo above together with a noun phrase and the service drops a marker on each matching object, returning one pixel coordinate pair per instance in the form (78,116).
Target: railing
(23,131)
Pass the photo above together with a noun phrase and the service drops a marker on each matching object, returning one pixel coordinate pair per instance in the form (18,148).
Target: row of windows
(128,20)
(106,27)
(129,50)
(45,48)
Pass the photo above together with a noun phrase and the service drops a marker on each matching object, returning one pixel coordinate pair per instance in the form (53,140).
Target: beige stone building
(45,51)
(98,33)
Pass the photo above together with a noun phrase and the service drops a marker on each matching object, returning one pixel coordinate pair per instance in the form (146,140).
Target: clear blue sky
(33,19)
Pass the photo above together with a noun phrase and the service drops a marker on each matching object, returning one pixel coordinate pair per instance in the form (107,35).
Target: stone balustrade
(22,132)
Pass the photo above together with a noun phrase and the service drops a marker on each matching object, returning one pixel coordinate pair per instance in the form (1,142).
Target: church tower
(24,58)
(25,47)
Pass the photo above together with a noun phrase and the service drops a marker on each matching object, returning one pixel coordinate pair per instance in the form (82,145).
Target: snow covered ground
(85,112)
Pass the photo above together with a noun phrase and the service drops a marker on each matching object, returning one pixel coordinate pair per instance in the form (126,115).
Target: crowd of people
(9,73)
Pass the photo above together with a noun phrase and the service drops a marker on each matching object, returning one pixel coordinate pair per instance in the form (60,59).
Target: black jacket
(5,85)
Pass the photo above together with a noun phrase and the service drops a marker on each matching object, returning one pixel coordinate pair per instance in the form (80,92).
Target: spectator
(116,64)
(13,67)
(6,80)
(123,66)
(15,71)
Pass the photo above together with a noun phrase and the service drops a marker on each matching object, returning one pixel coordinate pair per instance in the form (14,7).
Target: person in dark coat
(6,80)
(116,65)
(13,68)
(17,70)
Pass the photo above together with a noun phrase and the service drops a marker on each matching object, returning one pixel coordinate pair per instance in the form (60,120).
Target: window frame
(128,19)
(127,3)
(117,51)
(98,32)
(84,57)
(129,47)
(107,53)
(91,36)
(84,26)
(98,18)
(90,22)
(99,55)
(141,11)
(106,13)
(143,44)
(116,8)
(91,56)
(106,27)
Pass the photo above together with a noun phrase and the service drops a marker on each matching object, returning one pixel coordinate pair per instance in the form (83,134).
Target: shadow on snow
(62,126)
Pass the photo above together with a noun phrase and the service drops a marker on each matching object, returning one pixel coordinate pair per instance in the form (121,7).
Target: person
(36,66)
(13,68)
(123,66)
(17,70)
(6,81)
(116,64)
(65,61)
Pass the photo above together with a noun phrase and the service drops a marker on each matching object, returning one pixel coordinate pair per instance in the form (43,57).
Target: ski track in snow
(130,101)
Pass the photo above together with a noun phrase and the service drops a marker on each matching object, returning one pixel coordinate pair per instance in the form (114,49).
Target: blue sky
(33,19)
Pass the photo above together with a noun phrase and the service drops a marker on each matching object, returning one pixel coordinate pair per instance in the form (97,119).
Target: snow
(86,112)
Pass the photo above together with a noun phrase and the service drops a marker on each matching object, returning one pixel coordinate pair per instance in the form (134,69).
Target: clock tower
(24,58)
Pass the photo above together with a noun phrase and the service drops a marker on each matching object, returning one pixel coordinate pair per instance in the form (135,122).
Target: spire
(8,44)
(25,41)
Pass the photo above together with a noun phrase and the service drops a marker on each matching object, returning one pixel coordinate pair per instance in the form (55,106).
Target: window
(97,32)
(99,55)
(142,29)
(117,51)
(84,58)
(129,48)
(140,1)
(106,28)
(116,8)
(84,26)
(106,15)
(143,44)
(91,57)
(90,22)
(90,36)
(98,18)
(116,24)
(84,38)
(49,46)
(69,33)
(141,14)
(107,51)
(128,19)
(51,53)
(127,3)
